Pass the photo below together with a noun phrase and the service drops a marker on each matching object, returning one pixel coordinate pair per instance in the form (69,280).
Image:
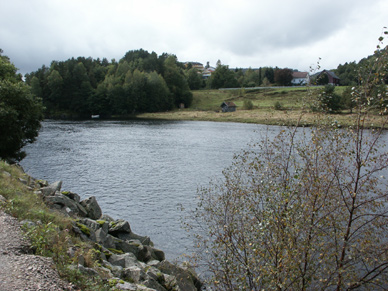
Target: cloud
(240,34)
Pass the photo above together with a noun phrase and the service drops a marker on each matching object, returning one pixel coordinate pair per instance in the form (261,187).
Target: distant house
(332,78)
(228,107)
(207,72)
(300,78)
(195,65)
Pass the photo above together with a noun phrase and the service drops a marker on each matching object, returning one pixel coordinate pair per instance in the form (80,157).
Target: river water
(145,172)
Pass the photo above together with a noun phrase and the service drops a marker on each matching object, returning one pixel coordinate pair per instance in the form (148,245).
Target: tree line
(139,82)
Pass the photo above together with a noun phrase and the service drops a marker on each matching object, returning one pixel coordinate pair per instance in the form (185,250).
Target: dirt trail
(20,270)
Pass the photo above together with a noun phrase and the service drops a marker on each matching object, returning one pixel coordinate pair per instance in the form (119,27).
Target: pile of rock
(127,258)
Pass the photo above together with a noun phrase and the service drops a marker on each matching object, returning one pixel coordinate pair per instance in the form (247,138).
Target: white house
(300,78)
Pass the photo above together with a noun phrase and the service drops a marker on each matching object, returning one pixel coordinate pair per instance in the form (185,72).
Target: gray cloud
(240,34)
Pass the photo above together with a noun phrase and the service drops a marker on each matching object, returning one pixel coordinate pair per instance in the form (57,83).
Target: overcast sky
(243,33)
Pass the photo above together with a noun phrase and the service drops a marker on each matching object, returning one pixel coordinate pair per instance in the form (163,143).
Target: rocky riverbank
(127,259)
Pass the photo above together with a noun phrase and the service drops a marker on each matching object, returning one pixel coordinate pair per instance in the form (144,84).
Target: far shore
(266,117)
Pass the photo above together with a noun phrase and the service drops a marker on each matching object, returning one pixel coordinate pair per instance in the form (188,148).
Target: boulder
(186,278)
(90,223)
(51,189)
(106,217)
(125,260)
(105,239)
(144,240)
(144,253)
(127,286)
(126,247)
(153,285)
(65,204)
(92,208)
(157,254)
(119,226)
(72,196)
(132,274)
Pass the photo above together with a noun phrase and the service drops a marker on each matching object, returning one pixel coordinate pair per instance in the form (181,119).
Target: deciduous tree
(305,210)
(20,112)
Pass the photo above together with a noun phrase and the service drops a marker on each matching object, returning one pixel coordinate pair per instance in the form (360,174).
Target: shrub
(248,105)
(278,106)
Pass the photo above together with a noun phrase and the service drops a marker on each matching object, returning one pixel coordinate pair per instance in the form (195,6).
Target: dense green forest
(139,82)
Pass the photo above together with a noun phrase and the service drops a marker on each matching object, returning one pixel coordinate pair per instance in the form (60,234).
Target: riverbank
(91,250)
(265,116)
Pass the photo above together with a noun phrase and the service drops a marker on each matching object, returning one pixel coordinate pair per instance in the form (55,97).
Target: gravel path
(20,270)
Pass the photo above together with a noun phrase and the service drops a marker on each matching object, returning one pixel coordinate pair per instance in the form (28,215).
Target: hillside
(272,106)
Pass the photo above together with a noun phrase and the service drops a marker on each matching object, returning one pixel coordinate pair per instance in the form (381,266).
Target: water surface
(144,172)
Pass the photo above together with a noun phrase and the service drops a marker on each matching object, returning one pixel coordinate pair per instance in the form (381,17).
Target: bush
(248,105)
(278,106)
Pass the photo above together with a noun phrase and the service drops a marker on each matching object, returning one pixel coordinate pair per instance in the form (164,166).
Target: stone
(186,279)
(144,253)
(144,240)
(115,270)
(106,217)
(157,254)
(124,260)
(153,285)
(90,223)
(52,188)
(92,208)
(119,226)
(72,196)
(132,274)
(104,273)
(105,239)
(126,247)
(69,206)
(87,271)
(126,286)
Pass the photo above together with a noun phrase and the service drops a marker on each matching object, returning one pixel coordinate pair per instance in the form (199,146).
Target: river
(145,172)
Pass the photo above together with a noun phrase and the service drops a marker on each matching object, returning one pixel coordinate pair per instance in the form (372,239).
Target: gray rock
(144,253)
(132,274)
(106,217)
(92,208)
(125,260)
(127,286)
(144,240)
(153,285)
(66,205)
(88,271)
(52,188)
(119,226)
(90,223)
(186,278)
(115,270)
(72,196)
(105,239)
(157,254)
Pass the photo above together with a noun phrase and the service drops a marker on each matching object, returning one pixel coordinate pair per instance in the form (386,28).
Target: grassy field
(294,103)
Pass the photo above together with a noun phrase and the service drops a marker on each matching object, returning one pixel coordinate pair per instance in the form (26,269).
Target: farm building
(228,107)
(331,77)
(300,78)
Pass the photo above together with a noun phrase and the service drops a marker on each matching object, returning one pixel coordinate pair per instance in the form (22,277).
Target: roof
(229,104)
(299,74)
(331,73)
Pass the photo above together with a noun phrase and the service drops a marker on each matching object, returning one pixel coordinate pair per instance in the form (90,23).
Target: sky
(241,34)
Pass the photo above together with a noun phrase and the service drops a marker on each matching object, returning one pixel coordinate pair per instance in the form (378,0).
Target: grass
(294,104)
(51,235)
